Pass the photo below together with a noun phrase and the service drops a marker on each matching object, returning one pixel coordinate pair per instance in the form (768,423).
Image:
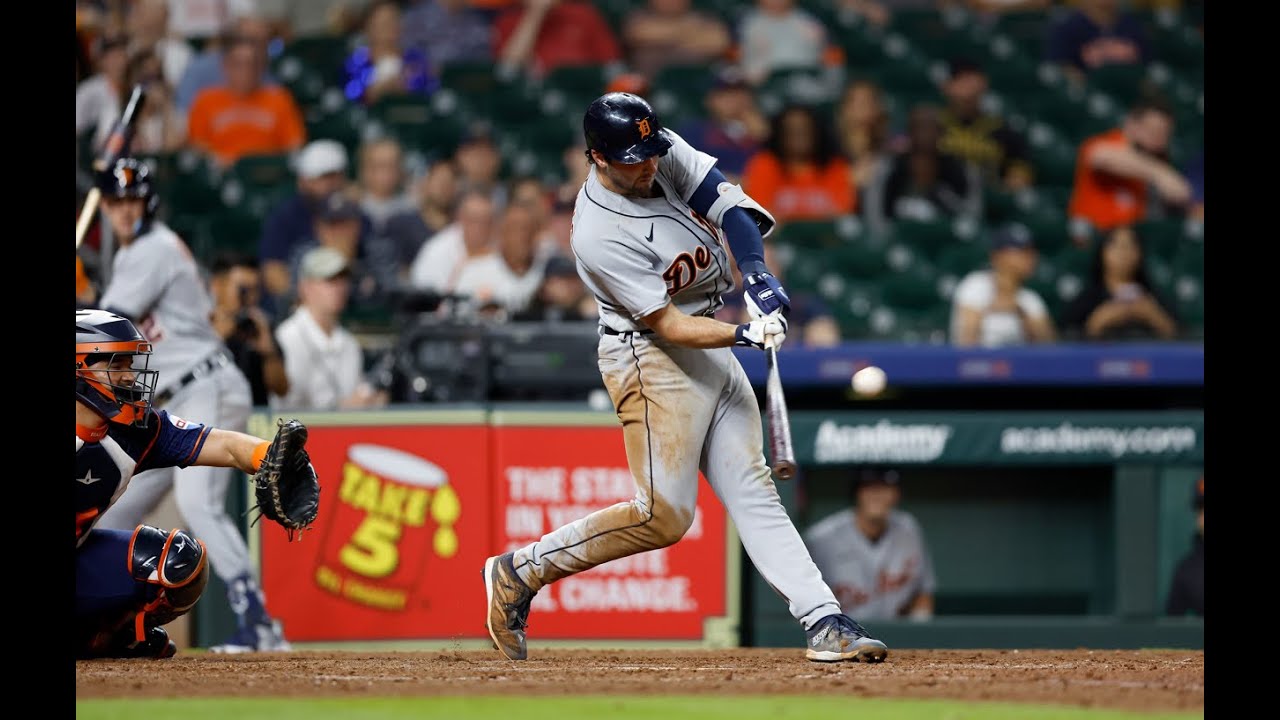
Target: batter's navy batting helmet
(129,178)
(624,128)
(125,394)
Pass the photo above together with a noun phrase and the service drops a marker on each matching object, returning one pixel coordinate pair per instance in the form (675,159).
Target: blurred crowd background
(968,172)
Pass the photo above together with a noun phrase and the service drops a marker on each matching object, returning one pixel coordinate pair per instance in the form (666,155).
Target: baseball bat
(117,146)
(783,455)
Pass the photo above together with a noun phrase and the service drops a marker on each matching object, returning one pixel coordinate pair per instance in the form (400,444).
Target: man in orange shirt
(1113,170)
(244,117)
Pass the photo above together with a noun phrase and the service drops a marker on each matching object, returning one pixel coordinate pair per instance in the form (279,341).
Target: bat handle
(86,214)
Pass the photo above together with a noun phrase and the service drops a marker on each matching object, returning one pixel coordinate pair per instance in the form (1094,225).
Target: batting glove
(764,295)
(761,333)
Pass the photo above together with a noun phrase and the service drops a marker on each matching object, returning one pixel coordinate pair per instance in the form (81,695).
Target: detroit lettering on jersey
(105,466)
(638,254)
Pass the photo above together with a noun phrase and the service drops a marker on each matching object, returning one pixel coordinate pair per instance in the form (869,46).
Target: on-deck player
(649,229)
(155,283)
(131,582)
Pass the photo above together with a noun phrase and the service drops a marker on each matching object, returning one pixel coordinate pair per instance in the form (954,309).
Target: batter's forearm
(692,330)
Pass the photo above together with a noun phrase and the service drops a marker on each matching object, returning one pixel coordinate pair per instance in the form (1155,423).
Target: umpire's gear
(624,128)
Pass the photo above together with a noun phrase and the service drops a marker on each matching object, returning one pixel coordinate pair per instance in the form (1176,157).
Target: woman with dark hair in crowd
(1119,302)
(800,174)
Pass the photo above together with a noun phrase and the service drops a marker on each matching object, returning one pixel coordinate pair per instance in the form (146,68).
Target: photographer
(236,285)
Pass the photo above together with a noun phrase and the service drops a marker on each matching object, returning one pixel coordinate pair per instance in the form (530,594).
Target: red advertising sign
(403,531)
(546,477)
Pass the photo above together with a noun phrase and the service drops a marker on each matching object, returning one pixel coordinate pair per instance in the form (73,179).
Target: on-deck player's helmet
(101,335)
(129,178)
(624,128)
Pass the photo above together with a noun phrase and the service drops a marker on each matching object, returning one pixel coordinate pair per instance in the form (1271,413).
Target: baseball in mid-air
(870,380)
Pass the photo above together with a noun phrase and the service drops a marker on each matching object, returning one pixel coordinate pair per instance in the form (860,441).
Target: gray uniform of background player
(156,282)
(682,409)
(874,581)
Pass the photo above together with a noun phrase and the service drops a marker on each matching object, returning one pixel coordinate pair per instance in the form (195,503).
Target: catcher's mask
(111,367)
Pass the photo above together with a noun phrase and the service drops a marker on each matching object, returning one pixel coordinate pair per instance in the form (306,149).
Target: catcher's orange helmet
(118,393)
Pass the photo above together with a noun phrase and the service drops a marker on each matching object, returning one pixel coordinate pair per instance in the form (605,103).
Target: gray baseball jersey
(683,410)
(156,282)
(872,580)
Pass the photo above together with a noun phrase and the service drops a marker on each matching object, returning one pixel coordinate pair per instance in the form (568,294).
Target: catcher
(130,584)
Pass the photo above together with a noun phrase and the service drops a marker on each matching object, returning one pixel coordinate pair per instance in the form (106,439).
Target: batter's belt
(203,368)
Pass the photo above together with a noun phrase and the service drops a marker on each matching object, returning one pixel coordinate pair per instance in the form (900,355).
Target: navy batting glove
(764,295)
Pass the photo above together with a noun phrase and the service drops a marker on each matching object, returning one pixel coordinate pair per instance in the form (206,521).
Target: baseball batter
(156,284)
(649,232)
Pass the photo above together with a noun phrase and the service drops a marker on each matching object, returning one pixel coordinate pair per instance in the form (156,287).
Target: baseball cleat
(839,637)
(259,637)
(123,644)
(509,600)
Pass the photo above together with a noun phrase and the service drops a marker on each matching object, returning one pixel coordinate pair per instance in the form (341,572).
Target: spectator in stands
(1097,33)
(243,117)
(1113,170)
(1195,177)
(160,127)
(733,128)
(777,35)
(380,181)
(926,183)
(529,193)
(448,31)
(205,69)
(148,23)
(1186,592)
(560,226)
(989,10)
(542,35)
(321,170)
(199,20)
(1119,301)
(341,225)
(978,137)
(862,126)
(809,314)
(405,233)
(874,556)
(505,278)
(479,164)
(672,32)
(576,170)
(800,174)
(562,296)
(991,307)
(381,65)
(307,18)
(441,259)
(99,97)
(235,283)
(323,360)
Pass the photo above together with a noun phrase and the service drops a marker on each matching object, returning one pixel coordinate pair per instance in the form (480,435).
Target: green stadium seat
(192,187)
(860,260)
(1028,29)
(340,127)
(256,183)
(960,259)
(925,238)
(914,289)
(1124,83)
(854,308)
(1189,261)
(232,230)
(1180,46)
(1054,164)
(1162,238)
(322,54)
(820,233)
(580,83)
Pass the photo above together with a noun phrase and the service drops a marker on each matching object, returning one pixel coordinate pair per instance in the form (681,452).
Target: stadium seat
(914,289)
(232,230)
(960,259)
(255,183)
(925,238)
(322,54)
(1028,29)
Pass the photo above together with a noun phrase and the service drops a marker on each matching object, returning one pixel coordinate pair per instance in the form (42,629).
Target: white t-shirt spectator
(488,278)
(978,290)
(322,369)
(771,42)
(438,263)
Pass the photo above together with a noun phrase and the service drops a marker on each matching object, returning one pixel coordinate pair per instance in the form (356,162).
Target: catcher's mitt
(285,485)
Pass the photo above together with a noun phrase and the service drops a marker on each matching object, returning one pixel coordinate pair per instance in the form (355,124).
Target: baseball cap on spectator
(338,207)
(1013,235)
(963,65)
(877,476)
(729,78)
(560,266)
(321,157)
(477,133)
(322,263)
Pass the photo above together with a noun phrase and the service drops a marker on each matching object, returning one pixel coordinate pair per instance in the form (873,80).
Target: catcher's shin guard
(177,563)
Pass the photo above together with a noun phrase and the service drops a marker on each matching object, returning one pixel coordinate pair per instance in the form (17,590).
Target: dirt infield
(1122,679)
